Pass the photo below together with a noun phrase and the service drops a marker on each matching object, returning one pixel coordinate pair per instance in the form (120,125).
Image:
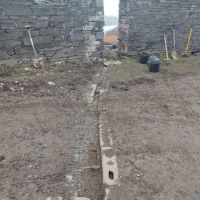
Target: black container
(114,46)
(144,57)
(154,64)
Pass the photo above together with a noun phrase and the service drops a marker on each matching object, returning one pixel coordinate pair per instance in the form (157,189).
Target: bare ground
(49,145)
(49,142)
(154,123)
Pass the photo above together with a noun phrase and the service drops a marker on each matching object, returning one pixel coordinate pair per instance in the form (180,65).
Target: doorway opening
(111,17)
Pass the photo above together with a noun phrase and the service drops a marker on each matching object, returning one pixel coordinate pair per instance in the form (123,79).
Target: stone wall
(71,29)
(143,23)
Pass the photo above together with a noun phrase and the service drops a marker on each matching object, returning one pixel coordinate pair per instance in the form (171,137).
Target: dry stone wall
(71,29)
(143,23)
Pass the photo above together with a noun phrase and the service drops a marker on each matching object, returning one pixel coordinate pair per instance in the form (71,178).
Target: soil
(154,122)
(49,145)
(49,138)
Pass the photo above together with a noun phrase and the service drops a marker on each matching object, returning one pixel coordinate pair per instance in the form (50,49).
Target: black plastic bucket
(154,68)
(144,57)
(154,64)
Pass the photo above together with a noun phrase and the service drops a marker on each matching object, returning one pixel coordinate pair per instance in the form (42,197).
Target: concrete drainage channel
(93,96)
(108,158)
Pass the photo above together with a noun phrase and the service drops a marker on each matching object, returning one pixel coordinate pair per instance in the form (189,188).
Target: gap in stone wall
(111,17)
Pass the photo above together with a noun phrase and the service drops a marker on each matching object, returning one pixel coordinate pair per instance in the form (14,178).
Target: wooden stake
(174,54)
(166,48)
(188,43)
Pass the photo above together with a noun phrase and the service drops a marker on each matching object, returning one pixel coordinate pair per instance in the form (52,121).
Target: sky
(111,7)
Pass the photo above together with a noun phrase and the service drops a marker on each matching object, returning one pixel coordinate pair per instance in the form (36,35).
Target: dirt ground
(154,123)
(49,145)
(49,137)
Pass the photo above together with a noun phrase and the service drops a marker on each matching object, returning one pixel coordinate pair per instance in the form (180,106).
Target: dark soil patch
(127,85)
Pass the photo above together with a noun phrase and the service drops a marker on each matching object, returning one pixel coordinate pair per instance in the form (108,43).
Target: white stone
(54,198)
(51,83)
(11,88)
(69,178)
(81,198)
(113,62)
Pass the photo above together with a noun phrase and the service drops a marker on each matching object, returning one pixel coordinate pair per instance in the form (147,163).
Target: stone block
(12,43)
(66,52)
(99,3)
(77,36)
(44,11)
(39,40)
(99,36)
(39,25)
(34,33)
(49,31)
(18,11)
(58,19)
(3,17)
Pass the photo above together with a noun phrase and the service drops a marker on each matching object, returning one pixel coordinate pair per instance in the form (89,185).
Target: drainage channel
(108,158)
(94,95)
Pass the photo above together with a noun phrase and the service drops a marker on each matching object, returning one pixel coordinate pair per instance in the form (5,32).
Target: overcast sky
(111,7)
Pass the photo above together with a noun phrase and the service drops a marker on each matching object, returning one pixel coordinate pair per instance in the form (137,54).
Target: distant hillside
(110,20)
(111,37)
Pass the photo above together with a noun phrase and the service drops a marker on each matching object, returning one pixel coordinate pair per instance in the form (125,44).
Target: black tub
(144,57)
(154,64)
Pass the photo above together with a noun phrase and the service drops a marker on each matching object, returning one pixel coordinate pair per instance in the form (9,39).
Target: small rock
(69,178)
(59,62)
(38,63)
(112,62)
(81,198)
(139,175)
(51,83)
(54,198)
(11,88)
